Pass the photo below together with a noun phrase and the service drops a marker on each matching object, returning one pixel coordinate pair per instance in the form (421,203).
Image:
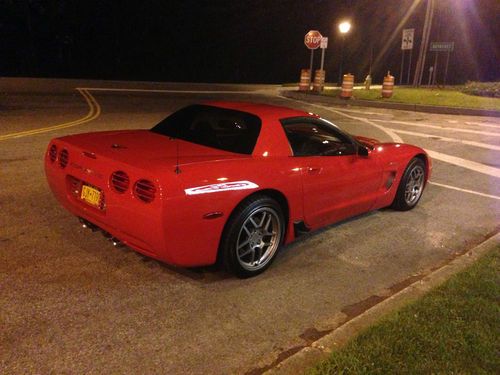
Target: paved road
(72,303)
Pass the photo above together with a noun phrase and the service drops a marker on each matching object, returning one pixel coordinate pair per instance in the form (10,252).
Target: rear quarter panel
(193,239)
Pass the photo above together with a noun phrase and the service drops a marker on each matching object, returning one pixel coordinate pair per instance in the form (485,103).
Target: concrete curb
(390,105)
(320,349)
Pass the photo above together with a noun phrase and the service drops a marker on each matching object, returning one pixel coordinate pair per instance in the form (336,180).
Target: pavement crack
(281,357)
(311,335)
(360,307)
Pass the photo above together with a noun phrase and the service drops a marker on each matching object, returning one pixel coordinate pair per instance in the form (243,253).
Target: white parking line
(465,190)
(394,136)
(440,138)
(482,124)
(464,163)
(429,126)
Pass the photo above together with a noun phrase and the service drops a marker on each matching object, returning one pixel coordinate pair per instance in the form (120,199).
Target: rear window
(215,127)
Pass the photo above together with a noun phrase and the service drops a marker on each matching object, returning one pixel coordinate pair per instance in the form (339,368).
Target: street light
(344,28)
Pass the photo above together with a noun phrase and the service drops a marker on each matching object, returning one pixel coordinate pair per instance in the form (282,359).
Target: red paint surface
(173,228)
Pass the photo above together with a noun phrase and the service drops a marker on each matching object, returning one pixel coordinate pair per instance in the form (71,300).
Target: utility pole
(339,81)
(419,68)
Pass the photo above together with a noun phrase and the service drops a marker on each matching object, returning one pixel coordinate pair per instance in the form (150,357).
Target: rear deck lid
(145,149)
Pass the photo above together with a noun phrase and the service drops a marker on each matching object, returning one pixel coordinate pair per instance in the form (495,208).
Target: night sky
(235,41)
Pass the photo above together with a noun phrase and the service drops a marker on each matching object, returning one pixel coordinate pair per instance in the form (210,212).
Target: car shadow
(214,273)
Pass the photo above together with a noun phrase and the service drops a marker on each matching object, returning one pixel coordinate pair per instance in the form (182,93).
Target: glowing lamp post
(344,28)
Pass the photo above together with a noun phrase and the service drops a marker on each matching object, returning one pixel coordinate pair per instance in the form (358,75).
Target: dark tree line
(232,41)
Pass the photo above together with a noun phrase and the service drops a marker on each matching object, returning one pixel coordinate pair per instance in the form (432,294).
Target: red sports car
(228,182)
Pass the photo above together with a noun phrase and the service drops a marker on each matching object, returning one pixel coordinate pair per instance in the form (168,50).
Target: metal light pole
(419,68)
(344,28)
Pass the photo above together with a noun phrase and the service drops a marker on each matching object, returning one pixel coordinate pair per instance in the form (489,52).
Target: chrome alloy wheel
(414,185)
(258,239)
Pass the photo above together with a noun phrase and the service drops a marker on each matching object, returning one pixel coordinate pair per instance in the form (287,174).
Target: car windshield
(220,128)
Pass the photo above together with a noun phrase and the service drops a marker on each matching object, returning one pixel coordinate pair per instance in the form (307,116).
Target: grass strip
(424,96)
(454,329)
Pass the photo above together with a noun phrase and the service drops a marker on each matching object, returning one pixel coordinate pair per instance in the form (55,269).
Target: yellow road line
(94,112)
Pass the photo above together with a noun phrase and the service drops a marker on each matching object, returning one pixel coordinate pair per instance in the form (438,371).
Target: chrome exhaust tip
(88,225)
(94,228)
(116,242)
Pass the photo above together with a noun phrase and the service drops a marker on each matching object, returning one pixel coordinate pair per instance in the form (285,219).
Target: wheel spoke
(259,258)
(244,243)
(263,218)
(246,230)
(248,251)
(252,260)
(253,222)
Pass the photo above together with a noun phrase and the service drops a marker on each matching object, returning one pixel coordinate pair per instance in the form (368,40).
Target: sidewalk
(390,105)
(322,347)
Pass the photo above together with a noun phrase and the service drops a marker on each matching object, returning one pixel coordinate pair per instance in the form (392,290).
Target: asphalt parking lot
(72,303)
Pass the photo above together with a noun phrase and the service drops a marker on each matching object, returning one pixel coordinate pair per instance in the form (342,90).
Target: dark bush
(491,89)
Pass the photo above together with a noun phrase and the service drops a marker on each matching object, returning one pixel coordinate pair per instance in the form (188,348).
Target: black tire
(242,241)
(410,190)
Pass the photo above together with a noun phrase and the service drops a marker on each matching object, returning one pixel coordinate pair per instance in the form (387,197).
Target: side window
(317,139)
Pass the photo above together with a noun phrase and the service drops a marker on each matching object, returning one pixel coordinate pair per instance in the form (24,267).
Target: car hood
(143,148)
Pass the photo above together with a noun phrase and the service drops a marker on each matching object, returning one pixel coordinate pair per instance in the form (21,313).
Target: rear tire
(252,236)
(411,186)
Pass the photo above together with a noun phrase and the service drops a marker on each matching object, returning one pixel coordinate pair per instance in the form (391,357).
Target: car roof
(261,110)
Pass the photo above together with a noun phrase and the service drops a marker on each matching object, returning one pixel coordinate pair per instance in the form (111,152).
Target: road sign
(324,42)
(312,40)
(407,40)
(442,46)
(323,45)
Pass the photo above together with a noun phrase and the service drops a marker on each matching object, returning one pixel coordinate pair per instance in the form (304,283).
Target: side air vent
(63,158)
(120,181)
(53,153)
(145,190)
(390,180)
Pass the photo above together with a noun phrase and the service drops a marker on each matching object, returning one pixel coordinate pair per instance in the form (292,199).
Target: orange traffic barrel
(319,80)
(305,79)
(347,86)
(388,86)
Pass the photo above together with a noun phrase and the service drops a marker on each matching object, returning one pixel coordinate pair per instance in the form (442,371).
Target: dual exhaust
(94,228)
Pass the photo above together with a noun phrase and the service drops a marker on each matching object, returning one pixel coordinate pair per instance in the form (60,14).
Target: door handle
(314,170)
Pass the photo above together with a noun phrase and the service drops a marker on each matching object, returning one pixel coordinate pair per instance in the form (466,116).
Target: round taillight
(145,190)
(53,153)
(63,158)
(120,181)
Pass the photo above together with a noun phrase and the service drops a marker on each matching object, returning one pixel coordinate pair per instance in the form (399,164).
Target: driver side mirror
(362,151)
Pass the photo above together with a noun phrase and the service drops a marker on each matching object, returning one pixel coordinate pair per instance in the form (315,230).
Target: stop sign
(312,40)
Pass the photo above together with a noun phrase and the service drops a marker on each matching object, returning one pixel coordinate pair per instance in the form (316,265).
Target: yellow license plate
(90,195)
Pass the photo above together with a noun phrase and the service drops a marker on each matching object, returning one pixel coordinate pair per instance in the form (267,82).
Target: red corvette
(228,182)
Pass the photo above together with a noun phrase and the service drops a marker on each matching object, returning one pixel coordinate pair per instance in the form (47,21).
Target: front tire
(411,186)
(252,236)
